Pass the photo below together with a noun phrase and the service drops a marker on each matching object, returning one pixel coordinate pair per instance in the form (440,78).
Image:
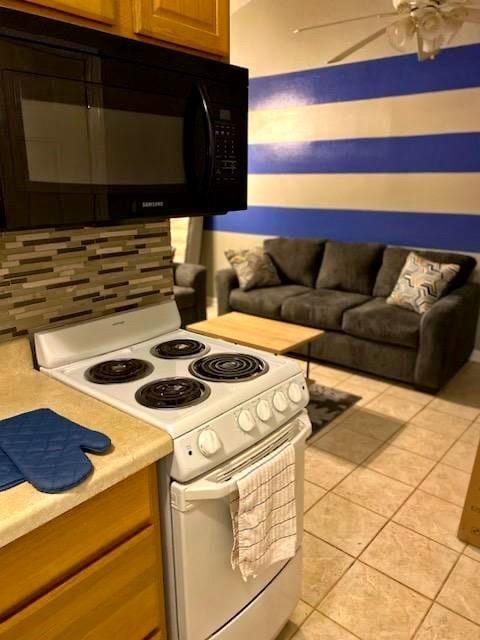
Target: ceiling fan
(432,23)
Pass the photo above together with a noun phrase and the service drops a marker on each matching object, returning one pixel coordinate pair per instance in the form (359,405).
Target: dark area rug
(326,404)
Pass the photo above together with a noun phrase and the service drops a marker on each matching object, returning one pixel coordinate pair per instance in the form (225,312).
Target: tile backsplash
(54,277)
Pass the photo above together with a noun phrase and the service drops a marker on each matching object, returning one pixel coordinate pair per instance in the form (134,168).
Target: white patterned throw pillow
(254,268)
(421,283)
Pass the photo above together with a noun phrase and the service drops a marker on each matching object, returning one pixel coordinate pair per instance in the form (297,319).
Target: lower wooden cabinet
(87,586)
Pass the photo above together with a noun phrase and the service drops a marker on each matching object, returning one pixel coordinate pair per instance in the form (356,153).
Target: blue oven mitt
(48,450)
(10,474)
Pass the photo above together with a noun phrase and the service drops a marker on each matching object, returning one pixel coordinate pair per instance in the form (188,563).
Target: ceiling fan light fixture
(453,21)
(430,23)
(400,33)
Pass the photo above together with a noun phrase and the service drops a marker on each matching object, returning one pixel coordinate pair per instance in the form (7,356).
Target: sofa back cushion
(394,259)
(350,266)
(297,260)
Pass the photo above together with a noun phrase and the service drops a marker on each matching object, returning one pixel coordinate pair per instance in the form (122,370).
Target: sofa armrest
(447,336)
(193,276)
(225,280)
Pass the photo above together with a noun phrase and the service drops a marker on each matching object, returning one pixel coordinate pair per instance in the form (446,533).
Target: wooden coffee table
(274,336)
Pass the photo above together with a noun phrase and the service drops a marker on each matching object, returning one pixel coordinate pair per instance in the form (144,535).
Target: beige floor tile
(376,384)
(374,491)
(472,435)
(351,445)
(439,422)
(400,465)
(319,627)
(393,407)
(441,624)
(447,483)
(367,394)
(410,558)
(325,469)
(463,388)
(404,393)
(373,606)
(433,518)
(371,424)
(343,524)
(461,592)
(455,409)
(324,379)
(312,493)
(323,565)
(298,617)
(425,443)
(461,456)
(472,552)
(319,370)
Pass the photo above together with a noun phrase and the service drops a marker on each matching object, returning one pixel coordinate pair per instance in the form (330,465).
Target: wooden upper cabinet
(197,24)
(98,10)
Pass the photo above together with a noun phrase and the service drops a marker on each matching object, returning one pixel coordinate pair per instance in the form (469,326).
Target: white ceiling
(262,33)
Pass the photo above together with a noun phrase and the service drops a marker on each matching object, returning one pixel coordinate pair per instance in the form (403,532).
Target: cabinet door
(198,24)
(117,597)
(98,10)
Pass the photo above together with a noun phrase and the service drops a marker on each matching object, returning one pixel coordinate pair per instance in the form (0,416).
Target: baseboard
(475,357)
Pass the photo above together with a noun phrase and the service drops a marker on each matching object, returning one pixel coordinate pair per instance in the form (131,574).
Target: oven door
(90,152)
(209,593)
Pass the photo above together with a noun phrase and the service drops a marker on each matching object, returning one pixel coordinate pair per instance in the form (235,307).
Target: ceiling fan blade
(473,15)
(358,45)
(347,21)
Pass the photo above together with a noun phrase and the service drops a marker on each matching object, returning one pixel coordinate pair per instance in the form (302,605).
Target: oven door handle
(205,489)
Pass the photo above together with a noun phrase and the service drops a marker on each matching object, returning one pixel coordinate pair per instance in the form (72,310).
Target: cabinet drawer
(116,597)
(41,559)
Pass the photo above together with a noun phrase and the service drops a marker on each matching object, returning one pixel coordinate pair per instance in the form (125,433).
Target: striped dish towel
(264,515)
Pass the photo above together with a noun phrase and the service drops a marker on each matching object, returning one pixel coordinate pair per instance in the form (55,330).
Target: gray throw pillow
(350,266)
(421,283)
(394,259)
(297,260)
(254,268)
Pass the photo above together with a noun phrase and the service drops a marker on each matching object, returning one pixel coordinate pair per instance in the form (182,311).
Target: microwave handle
(210,150)
(205,489)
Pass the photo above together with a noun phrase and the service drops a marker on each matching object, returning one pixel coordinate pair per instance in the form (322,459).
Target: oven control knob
(208,442)
(246,421)
(295,392)
(280,401)
(263,411)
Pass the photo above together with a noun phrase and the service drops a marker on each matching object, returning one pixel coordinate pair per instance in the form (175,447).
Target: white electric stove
(225,407)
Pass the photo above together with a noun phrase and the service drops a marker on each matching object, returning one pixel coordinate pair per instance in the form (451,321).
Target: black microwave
(99,129)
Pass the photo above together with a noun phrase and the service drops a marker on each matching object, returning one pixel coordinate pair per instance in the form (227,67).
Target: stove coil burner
(172,393)
(115,371)
(228,367)
(179,349)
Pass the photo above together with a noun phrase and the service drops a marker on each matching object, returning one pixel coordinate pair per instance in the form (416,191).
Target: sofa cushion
(254,268)
(184,297)
(266,302)
(394,259)
(376,320)
(297,260)
(320,308)
(350,266)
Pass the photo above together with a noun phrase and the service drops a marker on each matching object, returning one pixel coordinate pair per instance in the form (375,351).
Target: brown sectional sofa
(342,288)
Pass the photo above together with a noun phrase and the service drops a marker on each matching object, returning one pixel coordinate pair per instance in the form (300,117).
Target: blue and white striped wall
(384,149)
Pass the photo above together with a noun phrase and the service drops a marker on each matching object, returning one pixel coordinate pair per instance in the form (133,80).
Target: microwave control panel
(226,161)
